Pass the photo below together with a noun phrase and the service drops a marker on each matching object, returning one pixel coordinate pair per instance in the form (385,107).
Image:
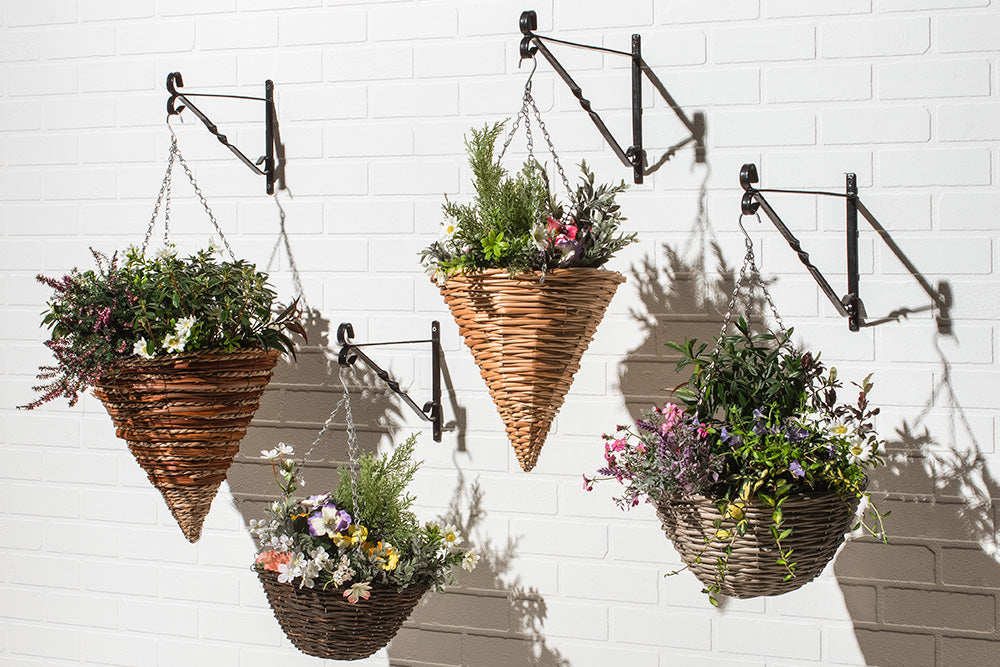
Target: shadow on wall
(929,597)
(489,619)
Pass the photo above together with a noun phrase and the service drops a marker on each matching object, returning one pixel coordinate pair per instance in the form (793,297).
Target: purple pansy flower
(328,520)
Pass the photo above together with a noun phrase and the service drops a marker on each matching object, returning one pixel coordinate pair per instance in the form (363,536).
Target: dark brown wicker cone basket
(818,522)
(183,417)
(324,624)
(527,337)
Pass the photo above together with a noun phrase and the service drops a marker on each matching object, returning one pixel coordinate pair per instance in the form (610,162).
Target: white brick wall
(373,98)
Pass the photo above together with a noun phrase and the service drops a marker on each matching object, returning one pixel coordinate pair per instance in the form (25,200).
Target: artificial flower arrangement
(760,431)
(151,306)
(516,223)
(521,273)
(359,544)
(179,350)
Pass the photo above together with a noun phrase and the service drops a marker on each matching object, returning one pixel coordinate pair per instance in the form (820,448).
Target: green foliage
(382,495)
(514,222)
(150,306)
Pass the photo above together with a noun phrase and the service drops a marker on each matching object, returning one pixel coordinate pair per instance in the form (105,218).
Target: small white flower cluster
(860,450)
(274,454)
(307,569)
(174,342)
(452,538)
(267,535)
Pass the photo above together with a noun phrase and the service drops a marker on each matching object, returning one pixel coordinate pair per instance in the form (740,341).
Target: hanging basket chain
(164,198)
(352,444)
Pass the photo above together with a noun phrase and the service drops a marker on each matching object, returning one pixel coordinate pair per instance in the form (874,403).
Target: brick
(369,139)
(41,14)
(963,651)
(159,617)
(36,640)
(915,5)
(171,652)
(879,125)
(819,83)
(339,178)
(44,500)
(427,645)
(763,637)
(407,22)
(267,5)
(593,14)
(20,116)
(161,37)
(365,63)
(327,27)
(497,17)
(763,43)
(773,127)
(891,562)
(74,184)
(409,100)
(595,655)
(23,464)
(825,170)
(158,544)
(325,104)
(47,571)
(123,506)
(41,79)
(958,211)
(229,33)
(940,609)
(576,580)
(102,10)
(77,609)
(726,10)
(875,37)
(88,469)
(467,612)
(473,59)
(214,70)
(969,567)
(21,534)
(257,627)
(933,79)
(413,177)
(185,7)
(964,33)
(86,539)
(861,602)
(379,216)
(199,584)
(21,46)
(79,42)
(117,75)
(968,122)
(560,537)
(116,577)
(657,628)
(790,8)
(24,605)
(117,649)
(944,166)
(286,67)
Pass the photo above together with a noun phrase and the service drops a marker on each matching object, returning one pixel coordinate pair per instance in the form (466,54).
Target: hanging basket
(818,522)
(183,416)
(323,623)
(527,337)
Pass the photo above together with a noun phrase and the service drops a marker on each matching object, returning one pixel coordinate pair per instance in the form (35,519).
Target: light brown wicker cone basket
(818,522)
(527,337)
(183,416)
(323,623)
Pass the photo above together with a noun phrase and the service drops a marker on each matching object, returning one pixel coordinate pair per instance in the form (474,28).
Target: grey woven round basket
(323,623)
(818,522)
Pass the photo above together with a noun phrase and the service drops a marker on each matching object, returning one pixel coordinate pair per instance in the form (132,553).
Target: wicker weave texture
(818,522)
(183,416)
(324,624)
(527,337)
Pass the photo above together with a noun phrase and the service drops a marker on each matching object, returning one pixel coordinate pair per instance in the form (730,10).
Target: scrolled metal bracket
(431,412)
(850,305)
(634,156)
(271,138)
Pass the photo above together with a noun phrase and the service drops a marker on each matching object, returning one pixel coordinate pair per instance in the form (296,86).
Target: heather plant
(145,307)
(516,223)
(761,421)
(359,533)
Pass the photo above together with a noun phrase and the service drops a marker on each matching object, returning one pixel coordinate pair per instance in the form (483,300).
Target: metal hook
(534,68)
(748,241)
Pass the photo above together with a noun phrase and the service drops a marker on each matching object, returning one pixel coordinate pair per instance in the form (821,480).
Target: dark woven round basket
(324,624)
(818,522)
(183,417)
(527,337)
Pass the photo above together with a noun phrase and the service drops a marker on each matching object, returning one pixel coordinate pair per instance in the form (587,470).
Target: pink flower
(360,590)
(570,231)
(588,484)
(554,225)
(270,560)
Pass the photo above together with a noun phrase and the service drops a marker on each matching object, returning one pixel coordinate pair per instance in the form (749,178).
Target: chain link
(164,198)
(352,444)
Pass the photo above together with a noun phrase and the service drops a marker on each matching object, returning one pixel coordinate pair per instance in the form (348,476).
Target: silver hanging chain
(751,264)
(164,197)
(352,444)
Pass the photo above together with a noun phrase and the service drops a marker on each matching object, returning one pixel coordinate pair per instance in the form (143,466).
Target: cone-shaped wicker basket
(323,623)
(818,522)
(527,337)
(183,416)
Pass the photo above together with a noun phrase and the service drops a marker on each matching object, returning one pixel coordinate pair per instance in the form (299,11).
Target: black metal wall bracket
(850,305)
(431,411)
(635,155)
(270,170)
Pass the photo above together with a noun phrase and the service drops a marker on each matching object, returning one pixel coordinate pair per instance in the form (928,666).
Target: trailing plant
(104,318)
(760,422)
(515,222)
(327,540)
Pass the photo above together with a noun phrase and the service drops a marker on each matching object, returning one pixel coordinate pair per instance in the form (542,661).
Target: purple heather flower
(796,469)
(729,439)
(796,434)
